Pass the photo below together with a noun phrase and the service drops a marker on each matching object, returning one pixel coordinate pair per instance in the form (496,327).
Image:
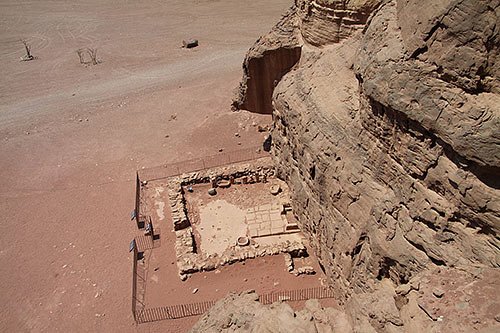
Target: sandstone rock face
(389,139)
(319,22)
(392,167)
(265,63)
(243,313)
(330,21)
(466,301)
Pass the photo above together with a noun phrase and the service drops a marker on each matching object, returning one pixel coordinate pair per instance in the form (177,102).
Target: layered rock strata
(265,63)
(391,169)
(319,22)
(324,22)
(389,139)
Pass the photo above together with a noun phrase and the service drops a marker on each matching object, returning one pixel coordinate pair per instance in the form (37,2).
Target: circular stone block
(275,189)
(243,241)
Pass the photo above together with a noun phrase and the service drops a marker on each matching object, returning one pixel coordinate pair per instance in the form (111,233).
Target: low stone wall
(188,259)
(257,169)
(190,262)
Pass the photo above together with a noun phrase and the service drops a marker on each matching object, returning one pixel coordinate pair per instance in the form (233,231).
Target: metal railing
(173,312)
(138,217)
(296,295)
(134,284)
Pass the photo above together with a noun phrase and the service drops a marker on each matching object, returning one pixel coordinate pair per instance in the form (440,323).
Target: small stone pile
(307,270)
(177,205)
(288,262)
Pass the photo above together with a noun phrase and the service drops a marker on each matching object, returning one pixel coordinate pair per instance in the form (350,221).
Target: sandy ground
(221,223)
(221,219)
(73,136)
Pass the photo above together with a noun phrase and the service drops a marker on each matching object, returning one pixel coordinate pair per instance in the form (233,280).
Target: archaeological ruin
(384,170)
(250,166)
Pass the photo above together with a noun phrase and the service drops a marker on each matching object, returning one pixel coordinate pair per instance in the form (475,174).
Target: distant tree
(28,55)
(93,55)
(80,55)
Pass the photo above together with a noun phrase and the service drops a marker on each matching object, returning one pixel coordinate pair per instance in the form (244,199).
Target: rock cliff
(243,313)
(393,164)
(387,131)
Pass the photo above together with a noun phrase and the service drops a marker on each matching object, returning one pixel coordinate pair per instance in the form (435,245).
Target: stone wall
(189,259)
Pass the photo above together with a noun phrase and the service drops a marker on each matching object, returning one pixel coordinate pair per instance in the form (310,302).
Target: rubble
(288,262)
(307,270)
(189,262)
(261,169)
(189,43)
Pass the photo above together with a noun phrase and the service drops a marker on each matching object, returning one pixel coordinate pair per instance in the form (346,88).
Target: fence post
(137,198)
(134,284)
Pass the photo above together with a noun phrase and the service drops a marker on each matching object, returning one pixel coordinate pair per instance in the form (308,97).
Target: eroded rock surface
(243,313)
(387,132)
(329,21)
(319,22)
(266,62)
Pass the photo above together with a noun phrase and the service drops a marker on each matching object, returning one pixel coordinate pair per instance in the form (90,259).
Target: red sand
(67,187)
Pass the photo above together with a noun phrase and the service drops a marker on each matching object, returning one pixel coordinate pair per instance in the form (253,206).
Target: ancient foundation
(189,257)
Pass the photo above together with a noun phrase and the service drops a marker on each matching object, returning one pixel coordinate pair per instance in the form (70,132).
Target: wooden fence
(197,164)
(196,309)
(193,165)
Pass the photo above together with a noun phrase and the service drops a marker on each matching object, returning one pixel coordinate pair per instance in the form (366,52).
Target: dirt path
(72,138)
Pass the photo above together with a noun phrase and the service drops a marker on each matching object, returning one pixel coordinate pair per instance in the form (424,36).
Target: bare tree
(93,55)
(28,55)
(81,55)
